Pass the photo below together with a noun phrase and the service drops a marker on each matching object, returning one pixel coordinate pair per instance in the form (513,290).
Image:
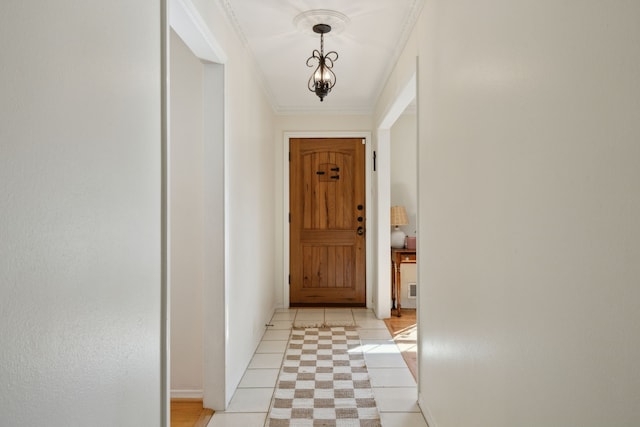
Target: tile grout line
(290,330)
(271,400)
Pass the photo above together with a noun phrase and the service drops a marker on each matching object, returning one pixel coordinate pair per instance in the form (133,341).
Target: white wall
(80,187)
(238,234)
(250,226)
(187,220)
(404,192)
(250,259)
(529,125)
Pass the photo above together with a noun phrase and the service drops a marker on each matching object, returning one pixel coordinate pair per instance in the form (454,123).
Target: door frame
(371,291)
(398,105)
(184,18)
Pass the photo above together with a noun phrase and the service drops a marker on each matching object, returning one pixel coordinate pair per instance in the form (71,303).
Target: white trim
(407,29)
(186,394)
(419,278)
(233,20)
(368,208)
(165,311)
(383,219)
(186,21)
(399,104)
(321,110)
(189,25)
(215,339)
(425,412)
(227,249)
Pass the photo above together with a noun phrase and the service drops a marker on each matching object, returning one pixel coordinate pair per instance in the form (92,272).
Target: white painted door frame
(397,107)
(186,21)
(383,132)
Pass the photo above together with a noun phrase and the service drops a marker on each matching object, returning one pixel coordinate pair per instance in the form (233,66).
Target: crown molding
(407,28)
(233,20)
(410,22)
(322,111)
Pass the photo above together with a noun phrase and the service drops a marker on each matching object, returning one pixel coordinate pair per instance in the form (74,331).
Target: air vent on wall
(412,290)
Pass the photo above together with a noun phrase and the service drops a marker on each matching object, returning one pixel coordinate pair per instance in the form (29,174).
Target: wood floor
(404,332)
(189,413)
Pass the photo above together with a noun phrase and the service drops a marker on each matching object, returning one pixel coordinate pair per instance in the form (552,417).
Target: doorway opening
(397,180)
(194,183)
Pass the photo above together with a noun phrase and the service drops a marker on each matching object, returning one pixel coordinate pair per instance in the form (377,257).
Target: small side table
(399,257)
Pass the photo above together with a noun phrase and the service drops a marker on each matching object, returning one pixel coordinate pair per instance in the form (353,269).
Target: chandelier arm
(328,62)
(323,78)
(315,55)
(333,55)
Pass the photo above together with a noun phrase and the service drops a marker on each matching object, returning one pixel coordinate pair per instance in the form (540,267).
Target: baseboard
(425,412)
(187,394)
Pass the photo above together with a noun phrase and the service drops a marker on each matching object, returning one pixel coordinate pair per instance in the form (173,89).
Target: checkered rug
(323,382)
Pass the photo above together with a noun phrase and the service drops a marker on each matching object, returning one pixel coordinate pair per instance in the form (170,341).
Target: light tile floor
(393,384)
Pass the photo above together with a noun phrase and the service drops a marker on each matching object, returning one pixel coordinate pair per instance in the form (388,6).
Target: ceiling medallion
(305,21)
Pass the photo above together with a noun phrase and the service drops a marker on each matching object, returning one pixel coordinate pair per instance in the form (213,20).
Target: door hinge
(364,141)
(289,279)
(289,217)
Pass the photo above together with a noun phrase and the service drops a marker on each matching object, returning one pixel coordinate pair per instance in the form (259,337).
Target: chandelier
(323,78)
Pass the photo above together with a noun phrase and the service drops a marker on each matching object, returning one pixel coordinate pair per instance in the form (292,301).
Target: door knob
(360,231)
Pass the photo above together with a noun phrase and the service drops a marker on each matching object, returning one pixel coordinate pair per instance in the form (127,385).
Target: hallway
(393,385)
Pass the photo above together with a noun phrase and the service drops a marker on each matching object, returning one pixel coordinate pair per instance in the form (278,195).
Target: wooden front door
(327,196)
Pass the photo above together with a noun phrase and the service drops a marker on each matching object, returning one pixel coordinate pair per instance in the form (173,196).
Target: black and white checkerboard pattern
(324,382)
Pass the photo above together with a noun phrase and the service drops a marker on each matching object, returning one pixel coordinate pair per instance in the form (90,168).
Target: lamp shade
(399,215)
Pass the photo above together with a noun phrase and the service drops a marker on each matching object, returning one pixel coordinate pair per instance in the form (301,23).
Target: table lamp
(398,217)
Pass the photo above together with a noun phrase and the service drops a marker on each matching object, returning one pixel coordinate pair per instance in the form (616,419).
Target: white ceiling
(368,47)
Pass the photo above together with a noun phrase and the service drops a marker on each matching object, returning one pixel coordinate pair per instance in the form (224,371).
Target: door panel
(327,194)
